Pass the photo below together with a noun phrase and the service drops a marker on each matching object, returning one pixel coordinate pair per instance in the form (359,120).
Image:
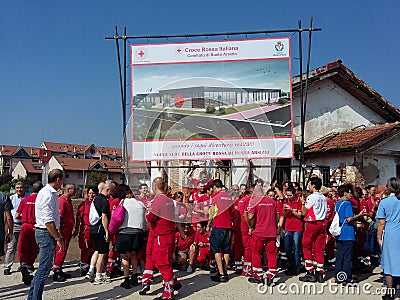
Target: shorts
(220,239)
(128,242)
(100,243)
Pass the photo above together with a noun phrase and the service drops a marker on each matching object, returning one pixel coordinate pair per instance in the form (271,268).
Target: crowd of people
(254,230)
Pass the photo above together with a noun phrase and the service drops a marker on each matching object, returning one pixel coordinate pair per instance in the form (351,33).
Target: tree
(95,177)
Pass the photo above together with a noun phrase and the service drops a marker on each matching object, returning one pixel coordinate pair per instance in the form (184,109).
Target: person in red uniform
(204,178)
(372,197)
(200,249)
(160,246)
(82,230)
(200,202)
(67,221)
(242,204)
(314,213)
(181,207)
(221,232)
(183,244)
(330,240)
(293,226)
(236,240)
(27,247)
(366,205)
(265,220)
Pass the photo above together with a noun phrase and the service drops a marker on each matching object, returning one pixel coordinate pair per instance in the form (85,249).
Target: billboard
(211,100)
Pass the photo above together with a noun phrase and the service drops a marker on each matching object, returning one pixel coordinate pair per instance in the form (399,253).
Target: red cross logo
(141,53)
(179,50)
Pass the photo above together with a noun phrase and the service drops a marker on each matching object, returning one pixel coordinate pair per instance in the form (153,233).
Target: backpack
(335,228)
(117,218)
(93,214)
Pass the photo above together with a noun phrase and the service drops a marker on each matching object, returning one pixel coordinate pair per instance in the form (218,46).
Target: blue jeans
(293,248)
(344,258)
(47,248)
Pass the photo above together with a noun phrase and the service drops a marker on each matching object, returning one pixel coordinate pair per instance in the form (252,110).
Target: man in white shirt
(314,211)
(47,233)
(12,245)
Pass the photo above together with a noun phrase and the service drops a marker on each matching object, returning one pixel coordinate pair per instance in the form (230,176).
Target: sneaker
(126,284)
(90,276)
(215,277)
(255,280)
(59,277)
(177,286)
(144,289)
(26,276)
(189,269)
(7,272)
(309,277)
(101,280)
(65,275)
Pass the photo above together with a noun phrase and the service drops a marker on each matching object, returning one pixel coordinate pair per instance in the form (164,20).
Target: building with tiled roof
(81,151)
(351,131)
(77,169)
(364,155)
(75,159)
(32,170)
(11,155)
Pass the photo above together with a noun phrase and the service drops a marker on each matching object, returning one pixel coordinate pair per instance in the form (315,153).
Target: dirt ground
(195,286)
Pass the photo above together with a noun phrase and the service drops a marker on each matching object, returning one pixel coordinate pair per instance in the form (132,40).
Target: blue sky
(59,78)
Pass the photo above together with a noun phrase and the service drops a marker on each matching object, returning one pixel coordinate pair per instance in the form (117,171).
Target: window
(66,174)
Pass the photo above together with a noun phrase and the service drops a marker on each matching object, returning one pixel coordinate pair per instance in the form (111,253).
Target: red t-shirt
(66,210)
(377,200)
(265,211)
(224,204)
(291,222)
(195,182)
(330,208)
(114,202)
(144,200)
(184,245)
(242,205)
(279,205)
(182,209)
(236,218)
(201,201)
(355,205)
(83,212)
(27,209)
(203,238)
(367,205)
(161,215)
